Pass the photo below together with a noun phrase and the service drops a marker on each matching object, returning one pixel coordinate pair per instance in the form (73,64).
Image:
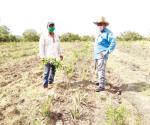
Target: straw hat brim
(106,23)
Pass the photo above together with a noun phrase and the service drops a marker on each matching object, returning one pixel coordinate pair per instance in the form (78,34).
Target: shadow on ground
(135,87)
(88,86)
(84,85)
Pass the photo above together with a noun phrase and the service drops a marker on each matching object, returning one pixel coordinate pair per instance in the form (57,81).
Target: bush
(130,36)
(4,30)
(87,38)
(47,106)
(13,38)
(5,35)
(116,115)
(30,35)
(148,38)
(69,37)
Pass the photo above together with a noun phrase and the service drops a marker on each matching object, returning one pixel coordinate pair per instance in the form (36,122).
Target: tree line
(28,35)
(32,35)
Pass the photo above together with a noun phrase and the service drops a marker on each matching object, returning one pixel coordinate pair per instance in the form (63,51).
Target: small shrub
(47,106)
(116,116)
(54,61)
(75,113)
(68,70)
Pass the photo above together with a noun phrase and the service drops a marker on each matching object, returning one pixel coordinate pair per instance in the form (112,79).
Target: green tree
(147,38)
(30,35)
(129,36)
(87,38)
(70,37)
(6,36)
(14,38)
(4,30)
(4,33)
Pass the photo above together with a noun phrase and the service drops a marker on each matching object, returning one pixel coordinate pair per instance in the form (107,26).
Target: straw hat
(101,20)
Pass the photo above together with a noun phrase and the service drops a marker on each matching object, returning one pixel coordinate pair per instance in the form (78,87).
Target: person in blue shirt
(104,45)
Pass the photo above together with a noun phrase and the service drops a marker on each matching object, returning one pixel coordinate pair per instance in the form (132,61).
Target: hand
(61,57)
(101,55)
(42,59)
(105,53)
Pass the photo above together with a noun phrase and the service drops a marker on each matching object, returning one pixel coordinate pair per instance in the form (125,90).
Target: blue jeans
(49,74)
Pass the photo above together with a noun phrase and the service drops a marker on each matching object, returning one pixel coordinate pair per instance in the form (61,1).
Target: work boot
(100,89)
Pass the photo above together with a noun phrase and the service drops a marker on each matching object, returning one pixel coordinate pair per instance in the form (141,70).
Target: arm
(59,50)
(111,47)
(41,47)
(112,41)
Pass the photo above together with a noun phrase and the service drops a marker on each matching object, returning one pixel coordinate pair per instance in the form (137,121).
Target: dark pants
(49,74)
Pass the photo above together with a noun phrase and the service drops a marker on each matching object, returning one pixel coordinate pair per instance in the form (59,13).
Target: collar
(104,30)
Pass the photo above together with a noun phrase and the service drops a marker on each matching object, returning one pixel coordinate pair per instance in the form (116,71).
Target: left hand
(101,55)
(61,57)
(105,53)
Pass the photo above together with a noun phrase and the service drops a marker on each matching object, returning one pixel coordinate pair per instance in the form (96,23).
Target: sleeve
(41,47)
(59,47)
(112,41)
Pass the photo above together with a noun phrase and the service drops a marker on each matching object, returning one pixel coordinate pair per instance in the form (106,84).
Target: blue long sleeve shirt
(104,43)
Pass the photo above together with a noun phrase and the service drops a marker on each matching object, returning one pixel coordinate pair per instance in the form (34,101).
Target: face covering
(51,29)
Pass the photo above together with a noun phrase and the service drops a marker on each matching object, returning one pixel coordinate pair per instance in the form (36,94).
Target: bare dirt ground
(21,75)
(23,101)
(133,71)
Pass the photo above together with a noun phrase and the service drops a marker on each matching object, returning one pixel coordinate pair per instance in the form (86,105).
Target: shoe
(45,86)
(50,82)
(97,83)
(100,89)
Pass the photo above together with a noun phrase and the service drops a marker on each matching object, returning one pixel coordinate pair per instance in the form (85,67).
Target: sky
(76,16)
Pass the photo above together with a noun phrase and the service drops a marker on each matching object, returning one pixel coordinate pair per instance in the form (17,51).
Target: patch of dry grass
(73,92)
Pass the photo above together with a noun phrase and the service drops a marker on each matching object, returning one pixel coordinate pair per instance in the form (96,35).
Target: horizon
(75,16)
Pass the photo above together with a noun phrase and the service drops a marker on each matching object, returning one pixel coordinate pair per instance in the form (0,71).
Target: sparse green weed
(116,115)
(47,106)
